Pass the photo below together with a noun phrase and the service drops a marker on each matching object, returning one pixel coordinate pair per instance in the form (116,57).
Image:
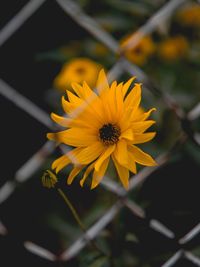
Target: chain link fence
(122,65)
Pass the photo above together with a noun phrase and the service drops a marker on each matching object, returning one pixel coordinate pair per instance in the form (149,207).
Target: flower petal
(86,155)
(121,152)
(76,137)
(127,134)
(74,99)
(142,138)
(123,173)
(102,82)
(87,172)
(60,120)
(88,91)
(131,163)
(119,100)
(140,127)
(67,106)
(75,171)
(78,89)
(133,99)
(60,163)
(141,157)
(145,115)
(127,85)
(98,175)
(106,154)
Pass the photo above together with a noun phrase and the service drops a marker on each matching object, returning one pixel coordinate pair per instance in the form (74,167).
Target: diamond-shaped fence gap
(10,245)
(18,138)
(143,241)
(184,262)
(102,199)
(34,212)
(7,13)
(26,48)
(176,199)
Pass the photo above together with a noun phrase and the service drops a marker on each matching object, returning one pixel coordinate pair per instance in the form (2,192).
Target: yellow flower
(77,70)
(140,53)
(173,48)
(190,15)
(102,126)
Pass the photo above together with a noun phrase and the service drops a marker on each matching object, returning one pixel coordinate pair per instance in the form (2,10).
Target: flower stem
(74,212)
(78,220)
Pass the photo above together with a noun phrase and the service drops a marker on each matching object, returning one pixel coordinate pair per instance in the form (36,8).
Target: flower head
(140,53)
(102,126)
(190,16)
(173,48)
(49,179)
(77,70)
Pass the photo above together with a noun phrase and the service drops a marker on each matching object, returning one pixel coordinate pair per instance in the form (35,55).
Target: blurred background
(42,44)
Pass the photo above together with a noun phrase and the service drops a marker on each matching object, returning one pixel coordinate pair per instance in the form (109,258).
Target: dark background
(170,195)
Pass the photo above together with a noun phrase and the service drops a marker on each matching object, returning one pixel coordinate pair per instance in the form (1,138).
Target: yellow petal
(109,101)
(119,99)
(53,137)
(98,175)
(86,107)
(76,137)
(145,115)
(131,163)
(102,82)
(127,134)
(87,172)
(74,99)
(78,89)
(58,161)
(104,156)
(75,171)
(67,106)
(113,85)
(88,91)
(141,157)
(127,85)
(60,120)
(63,164)
(142,138)
(86,155)
(123,173)
(80,111)
(134,97)
(121,152)
(140,127)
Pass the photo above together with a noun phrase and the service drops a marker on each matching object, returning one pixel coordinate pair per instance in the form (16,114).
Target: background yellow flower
(140,53)
(77,70)
(190,15)
(173,48)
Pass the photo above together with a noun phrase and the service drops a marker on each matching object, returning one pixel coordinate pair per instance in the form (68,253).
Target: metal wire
(122,65)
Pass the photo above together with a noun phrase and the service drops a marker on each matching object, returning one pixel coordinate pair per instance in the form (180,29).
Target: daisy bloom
(190,16)
(140,53)
(77,70)
(102,126)
(173,48)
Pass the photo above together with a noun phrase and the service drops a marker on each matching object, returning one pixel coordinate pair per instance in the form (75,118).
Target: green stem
(78,220)
(70,206)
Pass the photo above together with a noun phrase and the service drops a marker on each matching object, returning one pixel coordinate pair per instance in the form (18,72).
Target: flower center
(80,70)
(109,134)
(138,50)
